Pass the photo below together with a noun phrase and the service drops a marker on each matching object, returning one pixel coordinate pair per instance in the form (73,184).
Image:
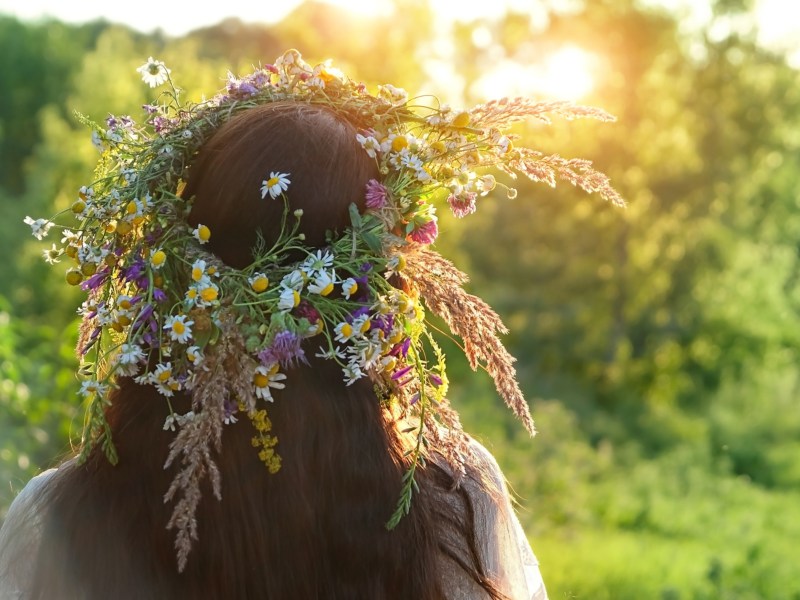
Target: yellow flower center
(296,297)
(164,375)
(399,143)
(178,327)
(210,294)
(78,206)
(347,330)
(272,181)
(131,208)
(260,284)
(365,326)
(326,290)
(204,233)
(158,258)
(197,273)
(260,380)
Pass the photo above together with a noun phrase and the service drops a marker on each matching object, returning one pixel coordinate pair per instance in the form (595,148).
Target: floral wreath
(163,310)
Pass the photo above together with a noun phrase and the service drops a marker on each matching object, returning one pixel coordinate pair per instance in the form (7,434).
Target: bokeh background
(658,344)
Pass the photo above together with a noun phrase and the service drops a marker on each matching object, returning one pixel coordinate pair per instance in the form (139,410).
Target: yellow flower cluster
(264,440)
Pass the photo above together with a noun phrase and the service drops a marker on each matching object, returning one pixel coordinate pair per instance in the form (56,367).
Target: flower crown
(163,310)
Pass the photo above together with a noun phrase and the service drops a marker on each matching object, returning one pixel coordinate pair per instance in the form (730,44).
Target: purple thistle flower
(462,204)
(425,233)
(285,349)
(376,194)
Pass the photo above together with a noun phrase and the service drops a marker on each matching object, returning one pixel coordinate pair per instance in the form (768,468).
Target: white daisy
(130,354)
(195,355)
(91,388)
(318,262)
(343,331)
(294,281)
(154,72)
(323,283)
(349,287)
(275,185)
(371,145)
(266,378)
(179,328)
(352,373)
(39,227)
(288,300)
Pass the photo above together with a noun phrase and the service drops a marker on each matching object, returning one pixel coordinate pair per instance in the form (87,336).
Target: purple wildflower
(95,281)
(306,310)
(400,373)
(384,323)
(365,267)
(376,194)
(285,349)
(150,109)
(92,339)
(401,348)
(462,204)
(159,295)
(435,379)
(425,233)
(134,271)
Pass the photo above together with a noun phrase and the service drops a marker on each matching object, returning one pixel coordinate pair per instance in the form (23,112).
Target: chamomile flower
(361,324)
(331,353)
(198,270)
(154,72)
(275,185)
(52,255)
(93,388)
(289,298)
(352,373)
(202,233)
(343,331)
(130,354)
(195,355)
(349,287)
(318,262)
(370,144)
(266,378)
(323,283)
(258,282)
(179,328)
(39,227)
(294,280)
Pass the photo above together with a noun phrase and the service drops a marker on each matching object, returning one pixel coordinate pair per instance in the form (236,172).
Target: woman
(272,281)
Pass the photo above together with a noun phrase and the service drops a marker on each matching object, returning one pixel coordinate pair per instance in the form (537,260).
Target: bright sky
(778,22)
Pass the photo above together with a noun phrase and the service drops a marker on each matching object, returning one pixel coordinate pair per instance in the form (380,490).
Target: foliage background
(658,345)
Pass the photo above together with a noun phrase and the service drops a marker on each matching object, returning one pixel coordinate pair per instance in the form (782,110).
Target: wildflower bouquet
(163,310)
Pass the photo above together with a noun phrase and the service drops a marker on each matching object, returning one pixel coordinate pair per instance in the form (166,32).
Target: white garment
(504,548)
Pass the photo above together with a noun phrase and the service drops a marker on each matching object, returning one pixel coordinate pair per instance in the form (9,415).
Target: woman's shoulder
(503,546)
(20,536)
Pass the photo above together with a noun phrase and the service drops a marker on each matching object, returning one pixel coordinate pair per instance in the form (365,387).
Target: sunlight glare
(566,74)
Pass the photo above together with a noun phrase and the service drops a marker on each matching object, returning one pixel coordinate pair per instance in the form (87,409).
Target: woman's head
(327,167)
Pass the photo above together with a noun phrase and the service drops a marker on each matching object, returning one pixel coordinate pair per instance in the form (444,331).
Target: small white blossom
(39,227)
(154,72)
(275,185)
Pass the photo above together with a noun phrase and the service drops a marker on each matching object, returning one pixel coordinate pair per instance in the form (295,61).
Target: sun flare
(565,74)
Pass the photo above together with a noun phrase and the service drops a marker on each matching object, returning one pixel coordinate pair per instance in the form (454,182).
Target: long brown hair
(316,529)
